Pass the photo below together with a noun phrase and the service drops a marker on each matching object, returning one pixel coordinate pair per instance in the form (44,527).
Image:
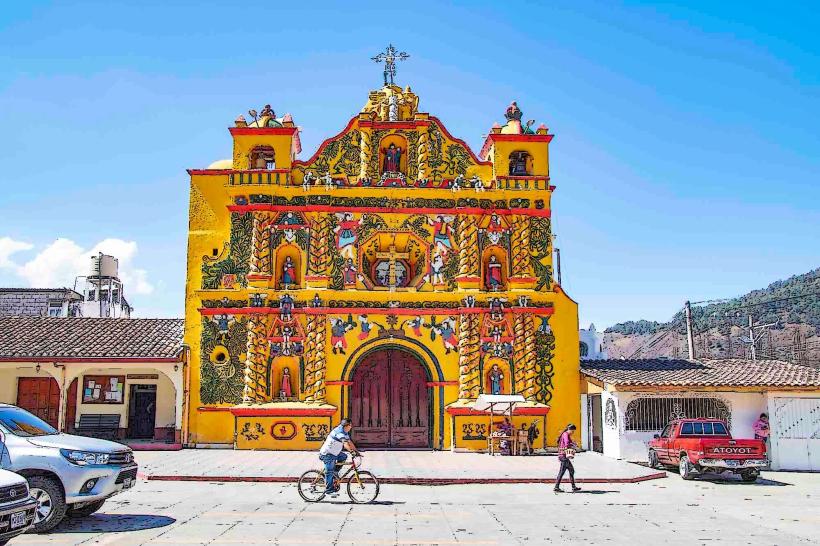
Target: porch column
(61,413)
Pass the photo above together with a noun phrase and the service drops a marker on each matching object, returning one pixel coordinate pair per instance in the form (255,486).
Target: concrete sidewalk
(403,467)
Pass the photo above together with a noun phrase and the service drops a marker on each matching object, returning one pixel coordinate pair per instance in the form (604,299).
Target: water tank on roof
(103,265)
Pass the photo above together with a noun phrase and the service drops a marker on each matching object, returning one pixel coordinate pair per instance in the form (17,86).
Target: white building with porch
(117,378)
(625,402)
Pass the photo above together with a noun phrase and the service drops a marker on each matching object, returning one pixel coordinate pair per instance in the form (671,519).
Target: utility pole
(752,337)
(690,339)
(558,263)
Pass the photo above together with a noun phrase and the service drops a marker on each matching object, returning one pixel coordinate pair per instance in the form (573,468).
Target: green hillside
(795,300)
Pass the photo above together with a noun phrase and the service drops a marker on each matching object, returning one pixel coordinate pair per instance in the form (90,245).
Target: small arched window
(262,158)
(520,164)
(584,350)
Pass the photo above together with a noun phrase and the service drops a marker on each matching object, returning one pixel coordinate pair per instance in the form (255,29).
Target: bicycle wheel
(364,489)
(312,485)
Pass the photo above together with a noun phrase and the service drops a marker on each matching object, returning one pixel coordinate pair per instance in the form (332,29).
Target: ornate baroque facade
(391,278)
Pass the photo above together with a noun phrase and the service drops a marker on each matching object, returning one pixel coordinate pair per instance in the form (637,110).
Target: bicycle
(362,486)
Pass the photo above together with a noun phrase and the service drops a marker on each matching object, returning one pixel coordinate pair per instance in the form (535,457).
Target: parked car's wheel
(750,475)
(51,506)
(85,509)
(685,468)
(653,459)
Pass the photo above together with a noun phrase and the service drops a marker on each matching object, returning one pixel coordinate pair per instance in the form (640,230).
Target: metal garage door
(796,433)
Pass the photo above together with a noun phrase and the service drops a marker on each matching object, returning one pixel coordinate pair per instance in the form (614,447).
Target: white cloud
(62,261)
(9,246)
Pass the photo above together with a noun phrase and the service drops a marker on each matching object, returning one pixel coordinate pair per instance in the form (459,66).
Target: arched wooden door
(389,401)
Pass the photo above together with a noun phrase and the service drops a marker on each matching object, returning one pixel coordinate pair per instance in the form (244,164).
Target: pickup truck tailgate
(727,449)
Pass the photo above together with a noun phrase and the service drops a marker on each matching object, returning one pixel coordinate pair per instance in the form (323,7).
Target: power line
(719,301)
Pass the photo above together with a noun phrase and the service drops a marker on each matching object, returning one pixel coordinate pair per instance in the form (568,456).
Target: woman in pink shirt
(761,427)
(566,451)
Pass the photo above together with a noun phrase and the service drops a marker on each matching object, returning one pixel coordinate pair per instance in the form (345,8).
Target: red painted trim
(209,409)
(282,412)
(316,277)
(395,124)
(93,360)
(339,383)
(325,143)
(262,130)
(401,480)
(209,172)
(500,137)
(259,277)
(261,207)
(516,411)
(534,310)
(442,383)
(211,311)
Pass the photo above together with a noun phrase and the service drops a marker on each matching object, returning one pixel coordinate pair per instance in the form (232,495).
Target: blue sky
(686,156)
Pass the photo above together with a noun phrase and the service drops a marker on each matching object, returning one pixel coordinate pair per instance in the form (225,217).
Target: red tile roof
(736,372)
(46,338)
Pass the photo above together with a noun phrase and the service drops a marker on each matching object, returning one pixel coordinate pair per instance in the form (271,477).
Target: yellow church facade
(390,278)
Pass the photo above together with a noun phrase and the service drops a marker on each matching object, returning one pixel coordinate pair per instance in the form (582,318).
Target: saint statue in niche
(349,273)
(392,159)
(286,391)
(496,378)
(288,272)
(493,274)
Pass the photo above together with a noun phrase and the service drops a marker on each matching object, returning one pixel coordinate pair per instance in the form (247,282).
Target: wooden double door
(40,396)
(390,401)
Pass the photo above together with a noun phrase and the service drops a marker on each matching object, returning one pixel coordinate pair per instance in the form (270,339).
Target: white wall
(612,438)
(795,453)
(745,408)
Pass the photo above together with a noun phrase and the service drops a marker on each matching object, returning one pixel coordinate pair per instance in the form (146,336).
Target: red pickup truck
(696,446)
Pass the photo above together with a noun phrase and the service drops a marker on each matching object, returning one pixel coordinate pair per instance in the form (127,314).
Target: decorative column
(256,361)
(316,335)
(260,266)
(423,154)
(319,255)
(530,360)
(521,254)
(365,151)
(520,352)
(469,358)
(309,357)
(468,258)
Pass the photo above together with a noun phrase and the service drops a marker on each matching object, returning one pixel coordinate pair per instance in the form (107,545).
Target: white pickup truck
(16,506)
(67,475)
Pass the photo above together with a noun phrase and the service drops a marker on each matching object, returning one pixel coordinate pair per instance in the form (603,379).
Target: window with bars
(653,414)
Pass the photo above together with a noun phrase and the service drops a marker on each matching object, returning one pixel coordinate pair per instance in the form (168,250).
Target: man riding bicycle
(331,452)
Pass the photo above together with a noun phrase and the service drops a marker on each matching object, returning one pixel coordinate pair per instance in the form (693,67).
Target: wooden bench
(99,425)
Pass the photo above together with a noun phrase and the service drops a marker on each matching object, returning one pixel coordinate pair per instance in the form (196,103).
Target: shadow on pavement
(113,523)
(377,503)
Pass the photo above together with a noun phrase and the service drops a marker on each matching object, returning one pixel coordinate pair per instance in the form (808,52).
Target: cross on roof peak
(389,57)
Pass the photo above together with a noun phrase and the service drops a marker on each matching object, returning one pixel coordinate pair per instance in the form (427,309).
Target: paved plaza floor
(780,509)
(413,467)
